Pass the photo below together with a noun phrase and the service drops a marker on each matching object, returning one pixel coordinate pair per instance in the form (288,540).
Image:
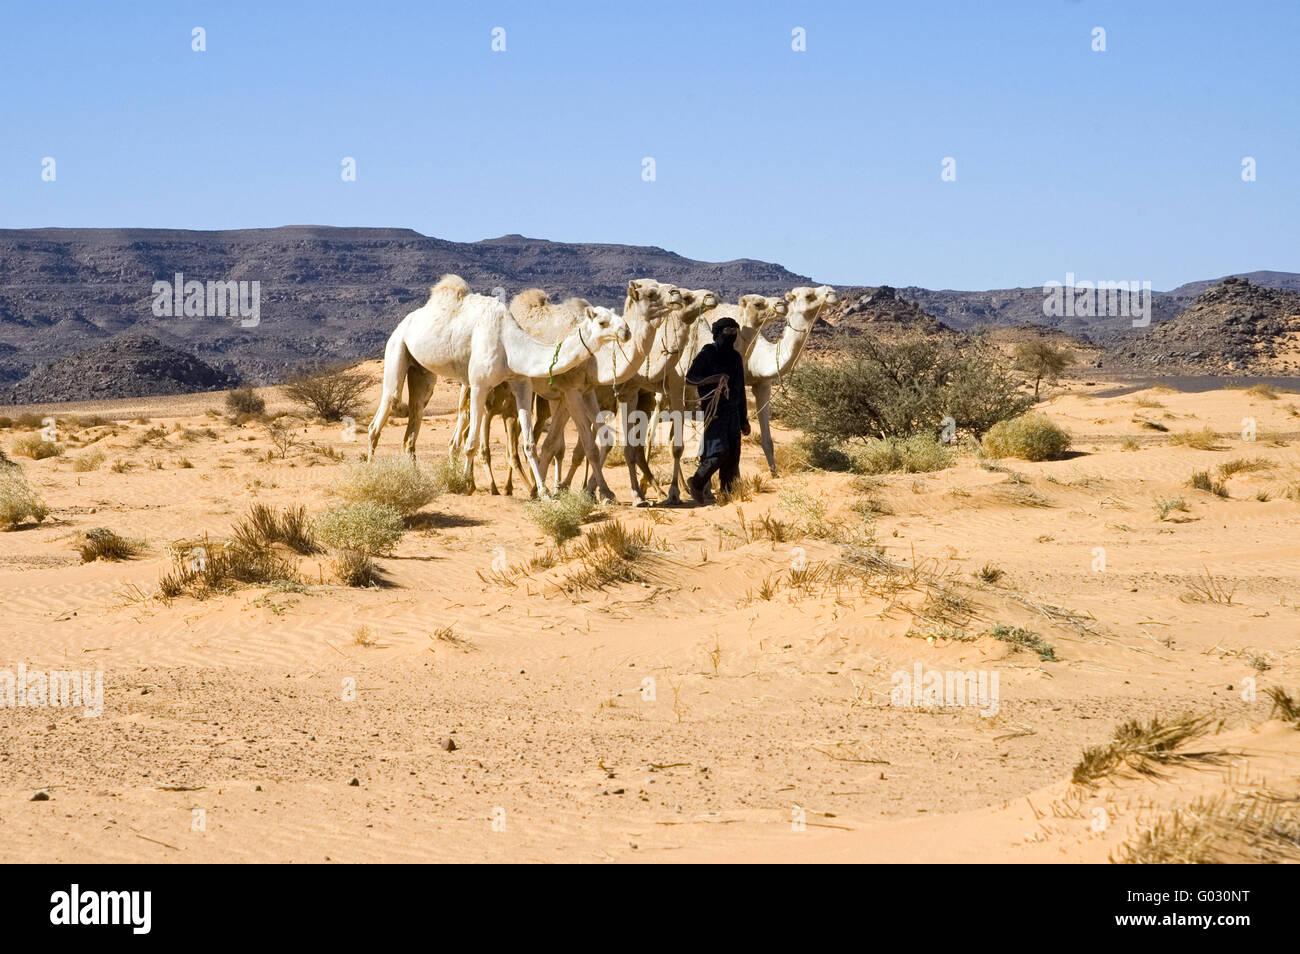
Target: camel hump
(530,299)
(452,285)
(579,307)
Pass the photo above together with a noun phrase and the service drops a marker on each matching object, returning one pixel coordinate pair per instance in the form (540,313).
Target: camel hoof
(494,492)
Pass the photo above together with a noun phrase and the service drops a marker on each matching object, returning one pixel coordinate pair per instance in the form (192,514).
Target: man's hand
(744,427)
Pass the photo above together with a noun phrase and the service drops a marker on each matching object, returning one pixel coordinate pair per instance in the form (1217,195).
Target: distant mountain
(325,292)
(129,365)
(336,293)
(1234,326)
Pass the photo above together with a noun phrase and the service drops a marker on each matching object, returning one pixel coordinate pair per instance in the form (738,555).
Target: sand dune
(226,736)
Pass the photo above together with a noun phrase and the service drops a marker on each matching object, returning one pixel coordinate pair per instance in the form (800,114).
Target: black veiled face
(725,338)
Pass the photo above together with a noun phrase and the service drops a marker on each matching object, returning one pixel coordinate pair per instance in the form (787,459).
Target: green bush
(918,454)
(1030,437)
(365,527)
(18,503)
(394,482)
(900,388)
(36,447)
(560,518)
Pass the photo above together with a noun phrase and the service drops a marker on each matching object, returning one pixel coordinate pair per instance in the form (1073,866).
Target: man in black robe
(718,373)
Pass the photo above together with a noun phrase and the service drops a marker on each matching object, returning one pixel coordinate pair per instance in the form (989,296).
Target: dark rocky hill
(131,364)
(1232,327)
(326,293)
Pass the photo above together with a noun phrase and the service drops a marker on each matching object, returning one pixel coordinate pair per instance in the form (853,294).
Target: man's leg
(729,466)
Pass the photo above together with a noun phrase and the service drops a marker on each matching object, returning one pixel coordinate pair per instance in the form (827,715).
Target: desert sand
(769,734)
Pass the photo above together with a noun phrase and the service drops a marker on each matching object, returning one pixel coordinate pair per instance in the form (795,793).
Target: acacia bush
(898,388)
(333,393)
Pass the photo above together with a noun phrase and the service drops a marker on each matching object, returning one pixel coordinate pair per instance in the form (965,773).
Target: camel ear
(789,296)
(633,292)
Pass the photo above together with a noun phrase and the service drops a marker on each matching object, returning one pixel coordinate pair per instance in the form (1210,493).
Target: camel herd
(538,364)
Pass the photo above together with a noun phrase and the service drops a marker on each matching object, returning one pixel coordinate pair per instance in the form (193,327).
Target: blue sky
(1123,164)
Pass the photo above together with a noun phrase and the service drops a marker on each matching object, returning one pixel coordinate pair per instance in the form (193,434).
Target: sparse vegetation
(450,476)
(1021,638)
(1204,439)
(101,543)
(1201,480)
(1164,506)
(989,573)
(899,388)
(36,447)
(1242,465)
(1140,747)
(264,526)
(245,401)
(395,482)
(1251,828)
(1042,361)
(91,460)
(920,453)
(611,553)
(333,393)
(357,532)
(1030,437)
(560,518)
(18,502)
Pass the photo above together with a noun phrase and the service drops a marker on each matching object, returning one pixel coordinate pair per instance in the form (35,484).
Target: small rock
(354,782)
(449,745)
(41,796)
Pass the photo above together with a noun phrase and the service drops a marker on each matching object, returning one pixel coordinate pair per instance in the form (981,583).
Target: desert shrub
(1164,506)
(1243,465)
(333,393)
(1201,480)
(1262,390)
(1021,638)
(821,454)
(245,401)
(357,532)
(363,526)
(1129,443)
(6,423)
(395,482)
(101,543)
(36,447)
(560,518)
(18,502)
(918,454)
(1204,439)
(1030,437)
(263,526)
(88,461)
(204,568)
(451,477)
(29,420)
(1042,361)
(611,554)
(899,388)
(1141,747)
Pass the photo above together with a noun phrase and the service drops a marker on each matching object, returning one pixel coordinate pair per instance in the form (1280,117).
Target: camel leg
(459,431)
(552,448)
(523,392)
(763,399)
(419,388)
(397,360)
(677,405)
(477,411)
(486,444)
(578,411)
(648,407)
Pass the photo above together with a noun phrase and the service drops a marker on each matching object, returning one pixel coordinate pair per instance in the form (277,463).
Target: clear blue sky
(1117,165)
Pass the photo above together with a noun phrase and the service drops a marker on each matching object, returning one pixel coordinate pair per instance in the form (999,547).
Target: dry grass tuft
(1254,828)
(1140,747)
(101,543)
(1204,439)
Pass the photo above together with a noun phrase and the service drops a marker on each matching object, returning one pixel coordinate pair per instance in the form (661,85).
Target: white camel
(751,312)
(770,362)
(636,394)
(475,340)
(571,395)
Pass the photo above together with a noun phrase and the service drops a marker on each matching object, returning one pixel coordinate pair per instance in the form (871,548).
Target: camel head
(653,299)
(757,310)
(600,326)
(806,303)
(696,302)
